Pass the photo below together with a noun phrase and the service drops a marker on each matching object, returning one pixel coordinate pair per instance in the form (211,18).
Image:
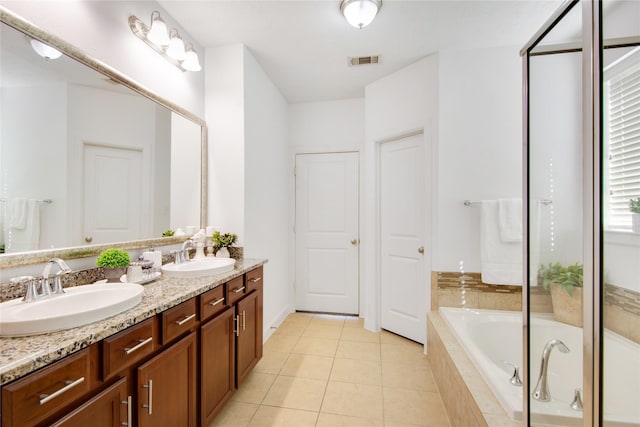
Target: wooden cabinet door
(217,364)
(110,408)
(246,340)
(166,386)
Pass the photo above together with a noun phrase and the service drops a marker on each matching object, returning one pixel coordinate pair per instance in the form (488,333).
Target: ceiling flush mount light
(44,50)
(360,13)
(167,43)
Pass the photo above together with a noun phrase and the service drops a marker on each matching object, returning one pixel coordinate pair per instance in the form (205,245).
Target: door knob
(354,242)
(421,249)
(88,239)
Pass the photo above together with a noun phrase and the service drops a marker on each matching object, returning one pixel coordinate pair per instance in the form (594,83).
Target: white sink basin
(78,306)
(199,267)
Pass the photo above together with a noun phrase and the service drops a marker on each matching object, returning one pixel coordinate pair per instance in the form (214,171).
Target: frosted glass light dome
(44,50)
(360,13)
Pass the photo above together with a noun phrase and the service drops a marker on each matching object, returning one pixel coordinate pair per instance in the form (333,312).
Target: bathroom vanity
(175,359)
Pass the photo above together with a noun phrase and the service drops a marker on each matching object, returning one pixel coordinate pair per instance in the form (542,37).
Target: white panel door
(402,221)
(114,206)
(327,232)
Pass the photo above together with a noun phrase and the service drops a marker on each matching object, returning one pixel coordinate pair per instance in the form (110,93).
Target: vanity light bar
(187,59)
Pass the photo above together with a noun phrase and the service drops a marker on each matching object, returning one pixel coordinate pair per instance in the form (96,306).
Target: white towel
(510,219)
(16,213)
(501,261)
(26,238)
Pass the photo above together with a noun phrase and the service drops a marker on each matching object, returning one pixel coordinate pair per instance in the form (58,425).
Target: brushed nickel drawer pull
(255,279)
(214,303)
(150,405)
(236,329)
(244,320)
(44,398)
(141,343)
(237,291)
(185,320)
(128,403)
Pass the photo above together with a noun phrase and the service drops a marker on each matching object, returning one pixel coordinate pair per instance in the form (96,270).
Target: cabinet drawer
(254,279)
(235,290)
(178,320)
(38,396)
(212,302)
(127,347)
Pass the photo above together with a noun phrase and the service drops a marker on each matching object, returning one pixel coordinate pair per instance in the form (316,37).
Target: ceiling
(304,45)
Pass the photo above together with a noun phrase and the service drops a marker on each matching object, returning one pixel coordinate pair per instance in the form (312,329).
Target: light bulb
(191,61)
(158,33)
(44,50)
(176,46)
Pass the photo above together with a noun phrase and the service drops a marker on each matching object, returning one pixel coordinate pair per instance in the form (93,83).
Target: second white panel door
(327,232)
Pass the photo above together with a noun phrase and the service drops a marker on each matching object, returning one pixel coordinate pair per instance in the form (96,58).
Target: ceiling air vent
(364,60)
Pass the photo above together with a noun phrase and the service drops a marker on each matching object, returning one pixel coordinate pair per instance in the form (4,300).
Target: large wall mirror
(88,157)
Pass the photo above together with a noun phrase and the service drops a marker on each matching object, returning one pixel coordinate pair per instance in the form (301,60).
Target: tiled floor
(322,370)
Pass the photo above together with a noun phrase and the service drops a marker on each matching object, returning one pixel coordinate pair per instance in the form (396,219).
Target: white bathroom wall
(403,102)
(266,224)
(480,146)
(161,209)
(101,29)
(185,188)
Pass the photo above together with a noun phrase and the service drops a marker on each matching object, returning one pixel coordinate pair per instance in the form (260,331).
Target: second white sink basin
(78,306)
(199,267)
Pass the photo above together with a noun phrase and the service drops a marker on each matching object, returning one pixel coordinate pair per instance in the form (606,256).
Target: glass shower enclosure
(582,182)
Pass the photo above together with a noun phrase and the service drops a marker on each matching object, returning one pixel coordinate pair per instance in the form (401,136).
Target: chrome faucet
(63,268)
(183,254)
(541,392)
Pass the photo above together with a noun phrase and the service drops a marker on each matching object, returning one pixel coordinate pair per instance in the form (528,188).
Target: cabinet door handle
(237,291)
(44,398)
(244,320)
(185,320)
(236,328)
(141,343)
(128,403)
(214,303)
(255,279)
(150,405)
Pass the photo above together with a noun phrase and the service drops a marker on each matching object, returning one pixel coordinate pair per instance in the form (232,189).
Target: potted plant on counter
(114,263)
(634,207)
(221,242)
(565,285)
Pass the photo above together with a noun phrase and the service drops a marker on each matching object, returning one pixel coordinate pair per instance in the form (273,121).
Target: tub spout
(541,392)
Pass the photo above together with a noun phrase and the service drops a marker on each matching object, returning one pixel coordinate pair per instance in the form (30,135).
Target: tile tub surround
(22,355)
(467,398)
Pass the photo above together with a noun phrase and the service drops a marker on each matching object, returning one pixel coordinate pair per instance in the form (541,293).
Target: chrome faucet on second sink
(541,392)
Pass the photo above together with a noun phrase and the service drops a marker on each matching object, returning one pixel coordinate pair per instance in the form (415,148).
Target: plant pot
(567,308)
(635,222)
(113,274)
(222,253)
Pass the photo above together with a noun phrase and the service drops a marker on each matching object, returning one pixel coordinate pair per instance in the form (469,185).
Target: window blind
(624,145)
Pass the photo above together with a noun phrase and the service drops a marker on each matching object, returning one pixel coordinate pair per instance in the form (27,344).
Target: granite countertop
(22,355)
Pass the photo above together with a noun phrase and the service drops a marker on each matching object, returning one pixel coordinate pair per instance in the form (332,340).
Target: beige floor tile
(280,343)
(357,371)
(323,331)
(296,393)
(359,335)
(307,366)
(271,362)
(254,388)
(327,320)
(414,407)
(356,400)
(387,337)
(353,322)
(408,376)
(403,354)
(294,329)
(235,414)
(268,416)
(332,420)
(358,350)
(316,346)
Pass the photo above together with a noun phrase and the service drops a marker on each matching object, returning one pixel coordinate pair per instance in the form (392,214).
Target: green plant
(567,277)
(168,233)
(222,240)
(634,205)
(113,258)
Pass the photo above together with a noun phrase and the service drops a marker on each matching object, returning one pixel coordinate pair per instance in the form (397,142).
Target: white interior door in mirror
(402,193)
(327,232)
(115,206)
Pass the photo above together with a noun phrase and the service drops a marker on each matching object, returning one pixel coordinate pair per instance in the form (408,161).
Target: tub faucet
(541,392)
(63,268)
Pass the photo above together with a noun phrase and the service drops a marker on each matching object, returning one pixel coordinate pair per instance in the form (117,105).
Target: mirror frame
(38,256)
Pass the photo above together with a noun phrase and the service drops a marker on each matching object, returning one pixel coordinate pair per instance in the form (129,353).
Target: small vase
(635,222)
(222,253)
(113,274)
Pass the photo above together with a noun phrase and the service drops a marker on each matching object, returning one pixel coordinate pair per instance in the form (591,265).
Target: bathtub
(491,337)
